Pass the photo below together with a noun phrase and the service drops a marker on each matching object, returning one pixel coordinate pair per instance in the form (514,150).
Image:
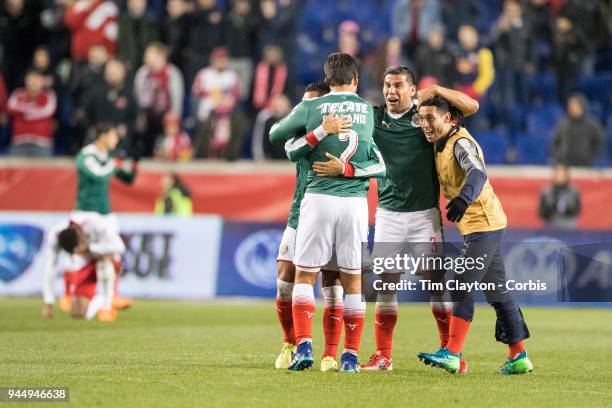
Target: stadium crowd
(187,79)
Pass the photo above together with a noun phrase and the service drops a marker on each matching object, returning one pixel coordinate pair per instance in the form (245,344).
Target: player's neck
(100,146)
(342,88)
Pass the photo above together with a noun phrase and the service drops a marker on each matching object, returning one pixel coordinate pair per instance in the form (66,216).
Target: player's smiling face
(433,124)
(398,92)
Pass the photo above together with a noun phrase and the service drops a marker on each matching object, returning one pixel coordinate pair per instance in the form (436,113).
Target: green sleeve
(290,126)
(297,148)
(125,176)
(88,165)
(373,167)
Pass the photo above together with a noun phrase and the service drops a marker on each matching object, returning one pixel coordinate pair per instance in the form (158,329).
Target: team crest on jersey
(284,249)
(19,245)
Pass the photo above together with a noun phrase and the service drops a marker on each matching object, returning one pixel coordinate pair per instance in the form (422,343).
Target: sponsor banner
(259,195)
(165,257)
(247,265)
(542,266)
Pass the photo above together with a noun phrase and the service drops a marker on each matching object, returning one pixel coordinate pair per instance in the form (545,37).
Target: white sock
(105,271)
(303,293)
(93,307)
(333,295)
(283,290)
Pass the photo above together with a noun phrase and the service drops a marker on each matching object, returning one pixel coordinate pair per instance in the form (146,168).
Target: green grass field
(177,354)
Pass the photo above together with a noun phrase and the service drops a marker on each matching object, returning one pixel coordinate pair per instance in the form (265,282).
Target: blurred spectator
(513,59)
(435,59)
(578,138)
(279,25)
(389,54)
(220,124)
(475,68)
(113,101)
(56,34)
(32,109)
(159,89)
(539,19)
(85,78)
(560,203)
(205,33)
(261,147)
(241,40)
(270,77)
(41,61)
(570,45)
(460,12)
(92,22)
(348,38)
(136,31)
(175,31)
(587,16)
(19,35)
(412,20)
(174,144)
(175,198)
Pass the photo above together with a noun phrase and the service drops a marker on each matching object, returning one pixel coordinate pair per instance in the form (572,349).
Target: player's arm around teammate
(481,220)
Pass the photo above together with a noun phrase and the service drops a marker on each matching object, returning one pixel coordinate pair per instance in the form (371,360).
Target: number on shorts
(434,245)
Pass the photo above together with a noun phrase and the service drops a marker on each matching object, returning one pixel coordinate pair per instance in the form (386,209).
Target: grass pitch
(175,354)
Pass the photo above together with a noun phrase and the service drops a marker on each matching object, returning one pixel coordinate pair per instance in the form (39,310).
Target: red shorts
(84,281)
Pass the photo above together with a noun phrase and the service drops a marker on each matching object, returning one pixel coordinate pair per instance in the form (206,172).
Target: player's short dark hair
(340,68)
(103,128)
(400,70)
(68,239)
(319,87)
(439,102)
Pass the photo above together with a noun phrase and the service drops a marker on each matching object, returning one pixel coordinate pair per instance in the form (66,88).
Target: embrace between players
(339,141)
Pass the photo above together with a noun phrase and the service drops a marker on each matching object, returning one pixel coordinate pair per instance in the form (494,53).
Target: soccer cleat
(65,303)
(377,362)
(349,363)
(286,355)
(517,365)
(107,315)
(442,359)
(303,357)
(121,303)
(328,363)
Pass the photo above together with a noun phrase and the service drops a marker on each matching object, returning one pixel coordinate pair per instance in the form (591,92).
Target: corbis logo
(255,258)
(18,247)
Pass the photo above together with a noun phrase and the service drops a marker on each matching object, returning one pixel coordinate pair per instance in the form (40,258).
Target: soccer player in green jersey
(334,211)
(96,165)
(331,287)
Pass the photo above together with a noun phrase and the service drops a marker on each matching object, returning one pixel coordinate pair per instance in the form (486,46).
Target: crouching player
(482,222)
(331,286)
(95,249)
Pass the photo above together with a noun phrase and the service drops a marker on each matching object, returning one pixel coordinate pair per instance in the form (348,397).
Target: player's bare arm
(467,105)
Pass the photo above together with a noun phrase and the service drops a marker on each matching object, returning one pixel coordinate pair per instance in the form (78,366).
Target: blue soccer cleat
(442,359)
(349,363)
(303,357)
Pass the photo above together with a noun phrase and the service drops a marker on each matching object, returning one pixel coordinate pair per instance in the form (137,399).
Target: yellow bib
(486,212)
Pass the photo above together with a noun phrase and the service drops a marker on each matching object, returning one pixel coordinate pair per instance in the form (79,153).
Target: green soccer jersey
(94,171)
(411,183)
(355,146)
(302,166)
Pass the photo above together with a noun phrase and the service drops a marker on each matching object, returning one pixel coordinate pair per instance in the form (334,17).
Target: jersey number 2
(353,141)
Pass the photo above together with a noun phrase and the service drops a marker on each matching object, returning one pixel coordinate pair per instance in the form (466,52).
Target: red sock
(515,349)
(303,311)
(285,317)
(443,319)
(67,282)
(332,328)
(354,313)
(383,329)
(457,333)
